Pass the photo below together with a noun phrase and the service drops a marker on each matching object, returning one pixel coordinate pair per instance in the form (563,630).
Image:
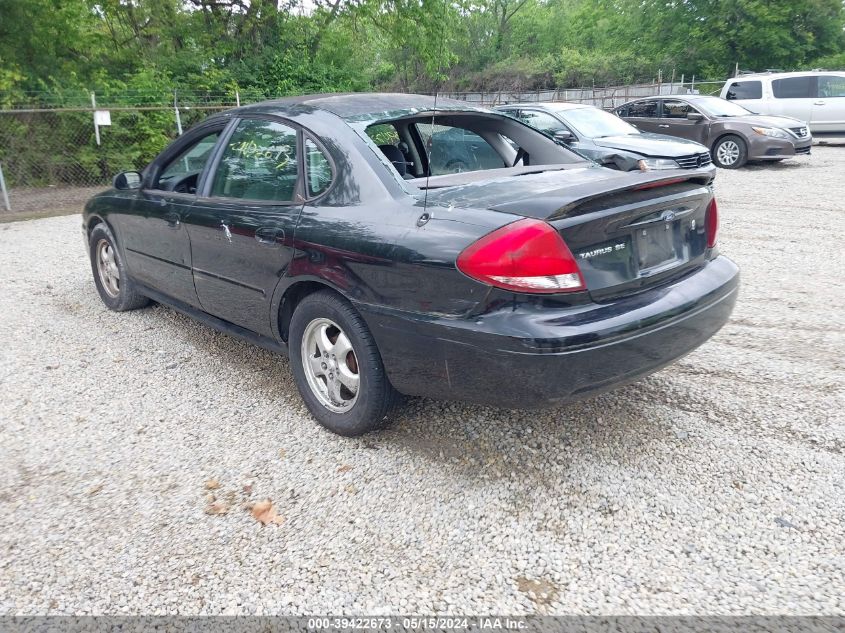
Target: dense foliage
(141,49)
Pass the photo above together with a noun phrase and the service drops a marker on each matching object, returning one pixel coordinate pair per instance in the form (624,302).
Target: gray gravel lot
(715,486)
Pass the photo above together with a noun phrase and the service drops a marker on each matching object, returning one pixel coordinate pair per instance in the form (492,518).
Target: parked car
(608,140)
(817,97)
(733,134)
(541,279)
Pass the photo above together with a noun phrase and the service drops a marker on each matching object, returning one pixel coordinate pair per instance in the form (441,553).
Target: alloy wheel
(728,152)
(107,268)
(330,364)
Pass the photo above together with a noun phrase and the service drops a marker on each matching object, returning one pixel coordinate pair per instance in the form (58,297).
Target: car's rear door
(154,236)
(242,226)
(794,97)
(644,115)
(828,113)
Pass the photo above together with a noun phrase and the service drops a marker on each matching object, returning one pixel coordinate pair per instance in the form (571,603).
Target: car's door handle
(269,236)
(172,220)
(662,125)
(819,102)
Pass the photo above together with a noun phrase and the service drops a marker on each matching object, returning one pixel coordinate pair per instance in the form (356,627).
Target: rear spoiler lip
(569,198)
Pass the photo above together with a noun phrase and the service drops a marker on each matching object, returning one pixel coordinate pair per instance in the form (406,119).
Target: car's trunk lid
(626,230)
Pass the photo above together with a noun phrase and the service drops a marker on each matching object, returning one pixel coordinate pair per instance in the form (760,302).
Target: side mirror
(695,116)
(127,180)
(563,136)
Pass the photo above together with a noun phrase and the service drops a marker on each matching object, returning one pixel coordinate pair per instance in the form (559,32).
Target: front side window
(744,90)
(181,173)
(793,87)
(643,110)
(676,109)
(454,149)
(318,169)
(831,86)
(258,163)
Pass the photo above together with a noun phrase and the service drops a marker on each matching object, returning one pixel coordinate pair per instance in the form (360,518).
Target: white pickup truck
(817,97)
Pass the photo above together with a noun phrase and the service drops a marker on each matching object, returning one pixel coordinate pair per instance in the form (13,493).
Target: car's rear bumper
(766,148)
(529,356)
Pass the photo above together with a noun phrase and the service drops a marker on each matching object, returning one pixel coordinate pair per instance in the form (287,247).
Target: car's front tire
(111,277)
(730,152)
(337,366)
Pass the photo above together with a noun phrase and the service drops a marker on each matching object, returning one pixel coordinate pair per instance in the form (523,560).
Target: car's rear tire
(111,277)
(337,366)
(730,152)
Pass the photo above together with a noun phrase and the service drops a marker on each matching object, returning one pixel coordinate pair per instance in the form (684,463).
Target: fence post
(178,118)
(5,191)
(238,98)
(94,114)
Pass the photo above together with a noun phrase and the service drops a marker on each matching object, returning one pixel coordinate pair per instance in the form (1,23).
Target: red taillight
(711,223)
(526,256)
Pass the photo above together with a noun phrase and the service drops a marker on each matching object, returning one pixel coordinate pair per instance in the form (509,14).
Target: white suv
(817,97)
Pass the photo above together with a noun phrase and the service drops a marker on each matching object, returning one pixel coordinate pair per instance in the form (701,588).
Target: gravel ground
(133,444)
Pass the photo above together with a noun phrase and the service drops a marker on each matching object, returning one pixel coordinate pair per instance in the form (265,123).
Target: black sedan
(607,139)
(318,226)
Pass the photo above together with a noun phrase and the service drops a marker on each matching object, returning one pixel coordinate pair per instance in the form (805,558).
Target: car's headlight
(646,164)
(771,131)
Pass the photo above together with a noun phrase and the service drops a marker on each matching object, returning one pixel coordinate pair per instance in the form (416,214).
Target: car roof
(357,106)
(550,105)
(799,73)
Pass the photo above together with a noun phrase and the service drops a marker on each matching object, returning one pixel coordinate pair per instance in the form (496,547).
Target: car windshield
(595,123)
(714,106)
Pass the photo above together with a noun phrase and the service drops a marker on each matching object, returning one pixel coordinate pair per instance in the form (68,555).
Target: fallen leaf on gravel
(344,469)
(351,489)
(212,484)
(282,453)
(247,489)
(95,489)
(541,592)
(265,513)
(217,508)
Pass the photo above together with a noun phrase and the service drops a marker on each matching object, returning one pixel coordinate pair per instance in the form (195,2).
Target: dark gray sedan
(608,140)
(733,134)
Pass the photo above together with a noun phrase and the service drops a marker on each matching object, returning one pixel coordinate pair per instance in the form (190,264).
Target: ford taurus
(321,227)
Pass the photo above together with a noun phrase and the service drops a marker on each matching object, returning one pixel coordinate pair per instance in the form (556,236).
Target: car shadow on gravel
(490,443)
(479,441)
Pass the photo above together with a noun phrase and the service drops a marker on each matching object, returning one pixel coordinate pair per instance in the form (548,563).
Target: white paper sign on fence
(102,117)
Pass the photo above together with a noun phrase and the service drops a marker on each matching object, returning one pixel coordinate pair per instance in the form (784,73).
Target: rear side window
(259,163)
(831,86)
(744,90)
(643,109)
(793,88)
(454,149)
(318,168)
(676,109)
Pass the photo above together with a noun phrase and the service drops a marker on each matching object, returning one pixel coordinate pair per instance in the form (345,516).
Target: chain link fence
(53,163)
(51,158)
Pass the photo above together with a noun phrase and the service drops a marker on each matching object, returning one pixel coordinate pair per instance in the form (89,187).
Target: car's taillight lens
(711,223)
(525,256)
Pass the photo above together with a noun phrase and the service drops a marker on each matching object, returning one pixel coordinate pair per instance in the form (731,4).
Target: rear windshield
(426,145)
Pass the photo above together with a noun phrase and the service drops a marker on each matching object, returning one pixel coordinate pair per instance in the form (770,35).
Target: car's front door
(242,225)
(644,115)
(828,113)
(674,121)
(156,243)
